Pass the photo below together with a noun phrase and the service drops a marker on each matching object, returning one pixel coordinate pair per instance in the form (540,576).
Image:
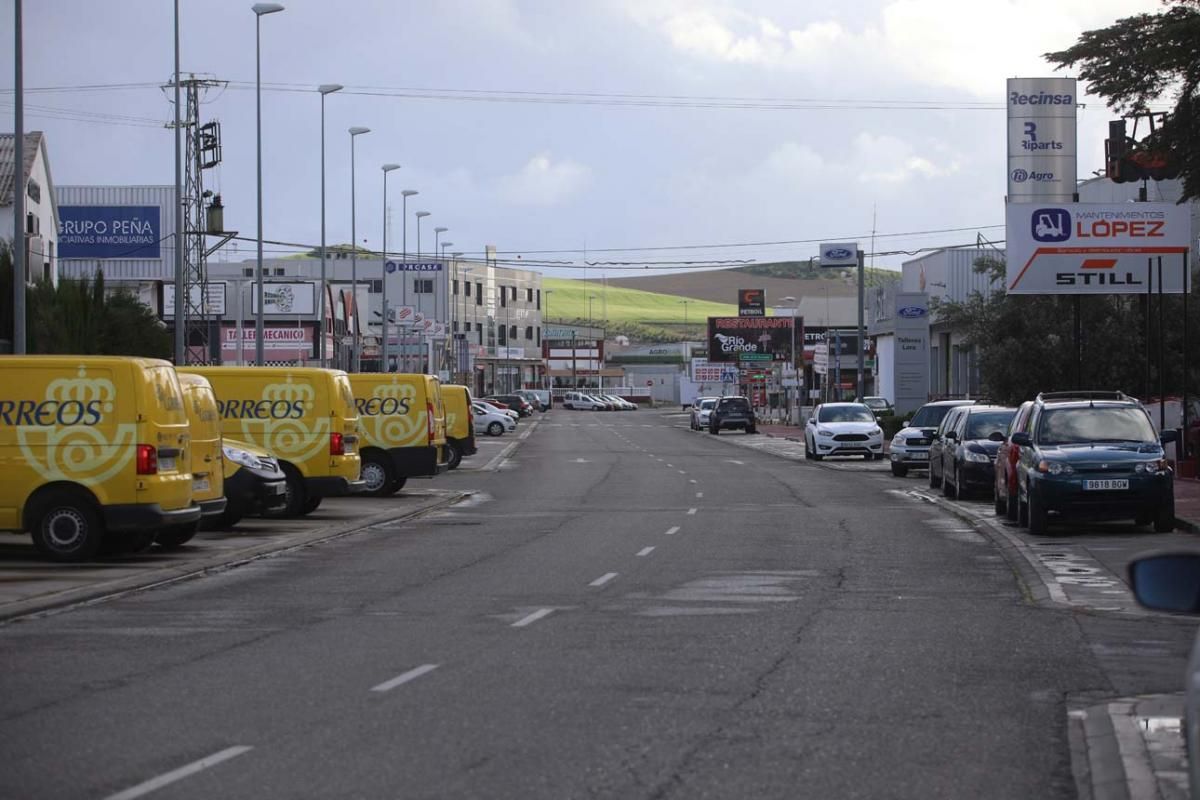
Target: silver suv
(910,446)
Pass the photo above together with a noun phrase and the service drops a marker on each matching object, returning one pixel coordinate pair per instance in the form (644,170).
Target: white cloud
(887,159)
(545,182)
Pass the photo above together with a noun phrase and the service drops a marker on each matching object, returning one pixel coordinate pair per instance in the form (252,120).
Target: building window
(478,293)
(479,331)
(539,299)
(512,332)
(454,326)
(514,292)
(529,333)
(467,288)
(376,287)
(454,286)
(539,334)
(248,272)
(529,295)
(503,335)
(503,297)
(423,286)
(280,271)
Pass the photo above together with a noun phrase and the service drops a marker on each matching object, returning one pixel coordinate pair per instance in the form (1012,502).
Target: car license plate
(919,456)
(166,464)
(200,485)
(1109,484)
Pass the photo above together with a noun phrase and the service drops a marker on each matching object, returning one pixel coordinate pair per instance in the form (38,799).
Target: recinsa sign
(1096,248)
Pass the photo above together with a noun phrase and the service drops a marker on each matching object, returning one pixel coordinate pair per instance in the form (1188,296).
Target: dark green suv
(1092,455)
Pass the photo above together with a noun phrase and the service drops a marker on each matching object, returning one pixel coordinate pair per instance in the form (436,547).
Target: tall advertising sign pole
(18,333)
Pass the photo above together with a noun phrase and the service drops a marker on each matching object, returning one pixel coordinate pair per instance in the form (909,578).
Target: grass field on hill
(569,302)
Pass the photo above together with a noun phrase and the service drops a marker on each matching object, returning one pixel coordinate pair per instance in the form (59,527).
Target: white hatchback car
(491,420)
(843,429)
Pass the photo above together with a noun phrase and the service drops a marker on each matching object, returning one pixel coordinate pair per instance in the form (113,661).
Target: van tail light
(337,444)
(429,420)
(147,459)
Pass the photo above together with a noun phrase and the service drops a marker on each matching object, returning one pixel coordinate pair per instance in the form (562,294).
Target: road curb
(205,565)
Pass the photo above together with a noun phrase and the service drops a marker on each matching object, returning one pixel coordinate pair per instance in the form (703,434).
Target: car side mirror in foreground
(950,436)
(996,436)
(1167,581)
(1021,439)
(1166,437)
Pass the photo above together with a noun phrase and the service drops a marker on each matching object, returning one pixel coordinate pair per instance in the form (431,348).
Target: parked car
(910,445)
(491,420)
(514,401)
(880,405)
(1093,455)
(499,408)
(620,402)
(969,452)
(842,429)
(1004,483)
(539,401)
(578,401)
(937,443)
(732,413)
(460,430)
(1171,582)
(700,411)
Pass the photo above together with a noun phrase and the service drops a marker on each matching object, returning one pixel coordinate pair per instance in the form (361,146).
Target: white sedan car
(843,429)
(506,412)
(491,420)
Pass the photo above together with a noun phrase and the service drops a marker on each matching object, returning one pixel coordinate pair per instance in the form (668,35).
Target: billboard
(214,303)
(285,299)
(839,254)
(100,232)
(1096,248)
(744,339)
(752,303)
(911,351)
(413,266)
(1041,139)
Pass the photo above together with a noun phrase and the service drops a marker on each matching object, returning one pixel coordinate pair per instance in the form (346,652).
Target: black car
(732,413)
(938,442)
(1093,455)
(969,449)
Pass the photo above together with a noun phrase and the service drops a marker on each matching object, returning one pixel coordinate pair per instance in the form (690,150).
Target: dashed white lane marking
(645,551)
(672,466)
(691,512)
(404,677)
(699,494)
(603,579)
(691,480)
(532,618)
(681,472)
(154,784)
(735,461)
(671,531)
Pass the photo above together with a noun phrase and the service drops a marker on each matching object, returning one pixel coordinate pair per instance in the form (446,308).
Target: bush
(891,424)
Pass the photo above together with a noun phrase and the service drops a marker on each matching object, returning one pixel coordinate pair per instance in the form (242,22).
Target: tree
(1137,60)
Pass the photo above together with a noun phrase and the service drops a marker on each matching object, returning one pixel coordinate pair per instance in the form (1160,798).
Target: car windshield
(735,404)
(985,423)
(707,404)
(929,416)
(875,402)
(845,414)
(1094,424)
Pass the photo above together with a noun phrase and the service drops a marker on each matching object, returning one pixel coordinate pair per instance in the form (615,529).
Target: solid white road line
(691,512)
(154,784)
(603,579)
(671,531)
(699,494)
(532,618)
(645,551)
(405,677)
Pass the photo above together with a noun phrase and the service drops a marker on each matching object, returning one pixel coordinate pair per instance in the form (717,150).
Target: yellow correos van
(208,473)
(92,447)
(404,428)
(460,427)
(304,416)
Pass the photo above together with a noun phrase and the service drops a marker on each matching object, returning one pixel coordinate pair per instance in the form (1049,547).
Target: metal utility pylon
(203,151)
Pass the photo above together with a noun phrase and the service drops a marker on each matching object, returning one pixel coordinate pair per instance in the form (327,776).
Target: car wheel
(495,429)
(899,470)
(311,504)
(959,494)
(295,495)
(1010,507)
(933,483)
(945,482)
(377,472)
(1036,512)
(998,503)
(176,536)
(1164,517)
(394,486)
(67,527)
(714,430)
(129,542)
(454,455)
(752,429)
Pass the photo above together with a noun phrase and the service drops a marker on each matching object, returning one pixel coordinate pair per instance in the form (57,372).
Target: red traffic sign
(649,382)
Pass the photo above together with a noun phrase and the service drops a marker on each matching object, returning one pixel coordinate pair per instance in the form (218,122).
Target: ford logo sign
(838,253)
(912,312)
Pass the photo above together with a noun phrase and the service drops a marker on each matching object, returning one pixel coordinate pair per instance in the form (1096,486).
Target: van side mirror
(995,436)
(1166,437)
(1167,582)
(1021,439)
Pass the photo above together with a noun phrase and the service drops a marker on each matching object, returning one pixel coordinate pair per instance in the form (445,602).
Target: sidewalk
(1187,490)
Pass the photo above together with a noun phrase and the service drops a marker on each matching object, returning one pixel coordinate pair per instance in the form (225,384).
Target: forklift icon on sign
(1051,225)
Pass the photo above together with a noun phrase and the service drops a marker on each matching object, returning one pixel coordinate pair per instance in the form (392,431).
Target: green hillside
(644,315)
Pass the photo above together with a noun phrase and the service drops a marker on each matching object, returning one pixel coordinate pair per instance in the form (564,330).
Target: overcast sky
(568,175)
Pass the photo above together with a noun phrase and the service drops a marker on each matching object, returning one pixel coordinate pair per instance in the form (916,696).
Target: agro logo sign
(751,338)
(1096,248)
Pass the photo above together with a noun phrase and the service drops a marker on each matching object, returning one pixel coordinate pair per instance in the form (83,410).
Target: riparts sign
(1096,248)
(1041,139)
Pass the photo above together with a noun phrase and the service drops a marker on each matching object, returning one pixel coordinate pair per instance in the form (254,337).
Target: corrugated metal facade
(949,274)
(133,269)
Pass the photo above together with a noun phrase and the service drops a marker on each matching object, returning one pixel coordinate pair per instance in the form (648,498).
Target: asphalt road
(623,609)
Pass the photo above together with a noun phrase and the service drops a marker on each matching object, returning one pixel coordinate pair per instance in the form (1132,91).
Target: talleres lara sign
(752,338)
(1097,248)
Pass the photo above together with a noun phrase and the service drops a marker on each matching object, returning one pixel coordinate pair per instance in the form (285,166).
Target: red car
(1004,488)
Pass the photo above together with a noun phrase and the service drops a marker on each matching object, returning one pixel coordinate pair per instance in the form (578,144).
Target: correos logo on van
(387,416)
(65,437)
(276,420)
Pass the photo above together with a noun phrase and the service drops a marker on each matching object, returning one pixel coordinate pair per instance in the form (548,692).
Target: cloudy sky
(543,125)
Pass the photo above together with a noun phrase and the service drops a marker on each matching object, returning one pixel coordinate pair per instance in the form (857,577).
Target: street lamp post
(420,215)
(385,350)
(795,369)
(446,301)
(260,10)
(324,89)
(599,382)
(405,194)
(356,359)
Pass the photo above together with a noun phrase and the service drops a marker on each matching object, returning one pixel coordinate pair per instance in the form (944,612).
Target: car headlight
(1055,468)
(239,456)
(824,432)
(1151,467)
(978,458)
(877,431)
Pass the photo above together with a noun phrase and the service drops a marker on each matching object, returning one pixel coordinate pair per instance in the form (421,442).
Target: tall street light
(445,276)
(420,215)
(324,89)
(445,360)
(260,10)
(795,368)
(385,351)
(599,382)
(355,132)
(685,317)
(406,193)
